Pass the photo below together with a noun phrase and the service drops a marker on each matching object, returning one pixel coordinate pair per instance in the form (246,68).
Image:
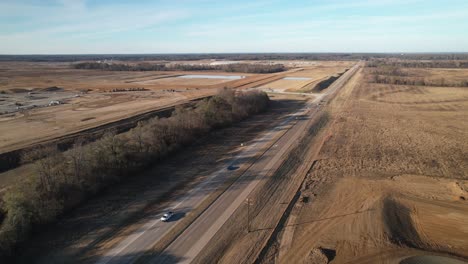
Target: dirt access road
(190,242)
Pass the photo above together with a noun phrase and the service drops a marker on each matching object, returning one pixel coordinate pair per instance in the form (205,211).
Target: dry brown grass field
(391,180)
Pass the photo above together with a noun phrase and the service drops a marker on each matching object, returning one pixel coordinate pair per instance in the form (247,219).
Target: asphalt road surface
(192,240)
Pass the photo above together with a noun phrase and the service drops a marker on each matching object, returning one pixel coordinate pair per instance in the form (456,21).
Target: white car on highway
(167,216)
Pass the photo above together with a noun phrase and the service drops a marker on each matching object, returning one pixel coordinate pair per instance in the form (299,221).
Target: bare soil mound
(397,219)
(317,256)
(18,90)
(416,214)
(49,89)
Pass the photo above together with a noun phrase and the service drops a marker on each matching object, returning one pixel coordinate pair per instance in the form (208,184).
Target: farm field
(404,148)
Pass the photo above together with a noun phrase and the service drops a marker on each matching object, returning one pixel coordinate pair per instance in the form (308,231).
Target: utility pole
(248,201)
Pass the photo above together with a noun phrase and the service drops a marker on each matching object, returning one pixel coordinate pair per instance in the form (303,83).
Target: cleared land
(390,181)
(89,98)
(312,76)
(88,101)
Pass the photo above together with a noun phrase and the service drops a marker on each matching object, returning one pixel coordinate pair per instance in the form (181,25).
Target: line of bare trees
(419,64)
(63,180)
(396,80)
(396,75)
(236,67)
(238,57)
(387,70)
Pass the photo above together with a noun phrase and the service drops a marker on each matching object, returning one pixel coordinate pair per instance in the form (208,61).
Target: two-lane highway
(128,249)
(191,241)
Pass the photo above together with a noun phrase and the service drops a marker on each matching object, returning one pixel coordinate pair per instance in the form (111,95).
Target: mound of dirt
(324,84)
(397,219)
(49,89)
(317,256)
(18,90)
(408,212)
(427,224)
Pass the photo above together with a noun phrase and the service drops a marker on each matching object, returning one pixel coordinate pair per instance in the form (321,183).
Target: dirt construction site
(350,164)
(55,100)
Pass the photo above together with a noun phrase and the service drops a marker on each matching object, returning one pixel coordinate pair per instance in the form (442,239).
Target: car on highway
(167,216)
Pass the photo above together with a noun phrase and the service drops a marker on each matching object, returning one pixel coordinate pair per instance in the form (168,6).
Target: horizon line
(222,53)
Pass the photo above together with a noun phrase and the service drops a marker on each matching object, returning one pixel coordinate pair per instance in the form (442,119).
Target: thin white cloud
(72,26)
(90,22)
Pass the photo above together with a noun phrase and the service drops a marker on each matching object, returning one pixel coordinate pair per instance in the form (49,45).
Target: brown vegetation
(237,67)
(62,180)
(89,230)
(420,63)
(88,102)
(238,56)
(389,179)
(398,75)
(416,81)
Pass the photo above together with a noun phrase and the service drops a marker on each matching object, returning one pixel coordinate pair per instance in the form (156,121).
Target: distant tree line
(394,73)
(63,180)
(237,56)
(419,64)
(396,80)
(237,67)
(136,89)
(387,70)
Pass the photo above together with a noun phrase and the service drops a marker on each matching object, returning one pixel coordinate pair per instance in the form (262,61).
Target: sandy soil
(27,127)
(391,179)
(19,81)
(315,73)
(187,82)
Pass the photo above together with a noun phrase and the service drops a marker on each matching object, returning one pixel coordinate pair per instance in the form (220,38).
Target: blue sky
(183,26)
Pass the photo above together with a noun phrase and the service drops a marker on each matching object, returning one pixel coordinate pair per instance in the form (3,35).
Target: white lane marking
(137,234)
(239,156)
(114,252)
(200,243)
(191,253)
